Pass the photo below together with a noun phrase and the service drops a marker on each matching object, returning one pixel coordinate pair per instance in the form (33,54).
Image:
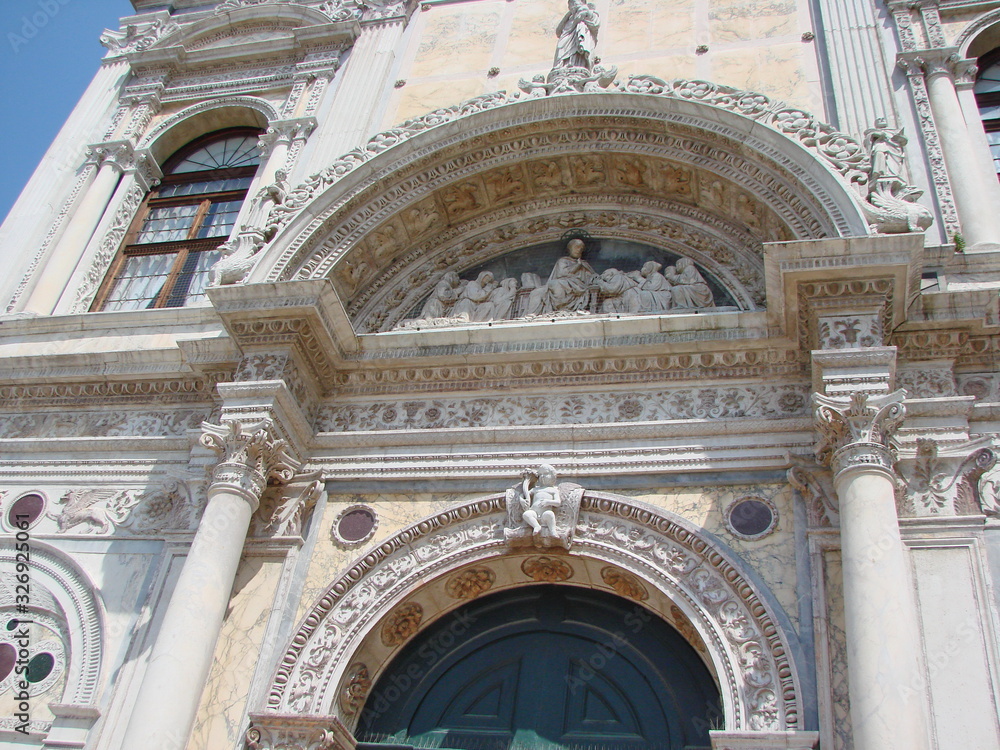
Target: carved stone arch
(648,555)
(226,23)
(405,204)
(70,590)
(980,36)
(184,126)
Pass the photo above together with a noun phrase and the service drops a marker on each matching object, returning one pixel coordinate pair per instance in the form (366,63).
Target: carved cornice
(195,390)
(249,455)
(856,431)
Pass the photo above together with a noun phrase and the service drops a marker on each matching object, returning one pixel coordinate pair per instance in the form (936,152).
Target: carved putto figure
(577,35)
(540,512)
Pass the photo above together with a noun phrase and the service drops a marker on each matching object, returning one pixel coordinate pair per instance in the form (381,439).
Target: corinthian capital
(249,455)
(856,430)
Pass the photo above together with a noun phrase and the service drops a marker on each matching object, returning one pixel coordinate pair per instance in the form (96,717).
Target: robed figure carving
(569,284)
(577,35)
(540,512)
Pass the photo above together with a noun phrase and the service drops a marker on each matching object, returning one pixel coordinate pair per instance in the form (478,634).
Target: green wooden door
(545,667)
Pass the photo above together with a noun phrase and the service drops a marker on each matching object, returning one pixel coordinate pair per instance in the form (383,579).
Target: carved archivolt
(620,545)
(66,586)
(426,199)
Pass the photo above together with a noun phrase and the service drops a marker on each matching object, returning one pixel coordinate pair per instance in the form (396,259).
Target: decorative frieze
(111,423)
(716,402)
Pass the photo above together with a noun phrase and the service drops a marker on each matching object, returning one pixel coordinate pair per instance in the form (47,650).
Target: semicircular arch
(74,595)
(182,127)
(654,558)
(442,193)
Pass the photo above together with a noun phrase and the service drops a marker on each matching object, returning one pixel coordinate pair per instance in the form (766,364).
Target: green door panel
(545,668)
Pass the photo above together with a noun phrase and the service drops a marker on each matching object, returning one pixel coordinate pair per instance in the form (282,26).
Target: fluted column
(973,194)
(886,680)
(167,703)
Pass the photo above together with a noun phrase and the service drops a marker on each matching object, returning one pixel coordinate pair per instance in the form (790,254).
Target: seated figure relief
(572,288)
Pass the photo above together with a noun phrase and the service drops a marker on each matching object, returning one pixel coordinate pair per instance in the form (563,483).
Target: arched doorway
(545,667)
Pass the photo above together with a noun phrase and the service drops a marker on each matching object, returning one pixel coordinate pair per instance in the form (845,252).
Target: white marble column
(168,698)
(886,677)
(974,196)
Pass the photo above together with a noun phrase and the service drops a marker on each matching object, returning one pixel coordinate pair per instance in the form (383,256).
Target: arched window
(988,98)
(175,238)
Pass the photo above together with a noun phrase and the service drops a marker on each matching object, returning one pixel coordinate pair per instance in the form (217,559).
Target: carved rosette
(249,456)
(854,433)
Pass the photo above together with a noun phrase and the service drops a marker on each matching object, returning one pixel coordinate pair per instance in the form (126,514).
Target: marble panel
(420,98)
(668,67)
(962,692)
(780,71)
(223,703)
(748,20)
(533,33)
(647,25)
(456,39)
(836,637)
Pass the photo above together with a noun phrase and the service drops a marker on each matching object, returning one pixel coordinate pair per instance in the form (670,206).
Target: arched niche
(666,171)
(659,562)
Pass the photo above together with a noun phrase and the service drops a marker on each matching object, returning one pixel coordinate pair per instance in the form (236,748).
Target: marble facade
(523,292)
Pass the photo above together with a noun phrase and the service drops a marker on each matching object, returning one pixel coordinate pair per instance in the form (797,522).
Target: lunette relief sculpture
(573,288)
(542,512)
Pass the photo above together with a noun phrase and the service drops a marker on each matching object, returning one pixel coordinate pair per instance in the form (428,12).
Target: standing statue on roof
(577,35)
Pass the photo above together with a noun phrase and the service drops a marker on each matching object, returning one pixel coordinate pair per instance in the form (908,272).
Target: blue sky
(49,51)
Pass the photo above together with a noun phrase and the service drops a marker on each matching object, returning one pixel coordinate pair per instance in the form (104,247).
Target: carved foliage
(755,669)
(624,583)
(943,482)
(864,420)
(249,455)
(546,569)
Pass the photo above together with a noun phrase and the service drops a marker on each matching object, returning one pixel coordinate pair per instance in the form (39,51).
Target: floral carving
(624,583)
(685,628)
(546,569)
(863,421)
(402,623)
(470,583)
(249,455)
(844,154)
(358,683)
(729,402)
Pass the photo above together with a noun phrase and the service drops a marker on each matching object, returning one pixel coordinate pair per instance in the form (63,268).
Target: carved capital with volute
(249,455)
(855,432)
